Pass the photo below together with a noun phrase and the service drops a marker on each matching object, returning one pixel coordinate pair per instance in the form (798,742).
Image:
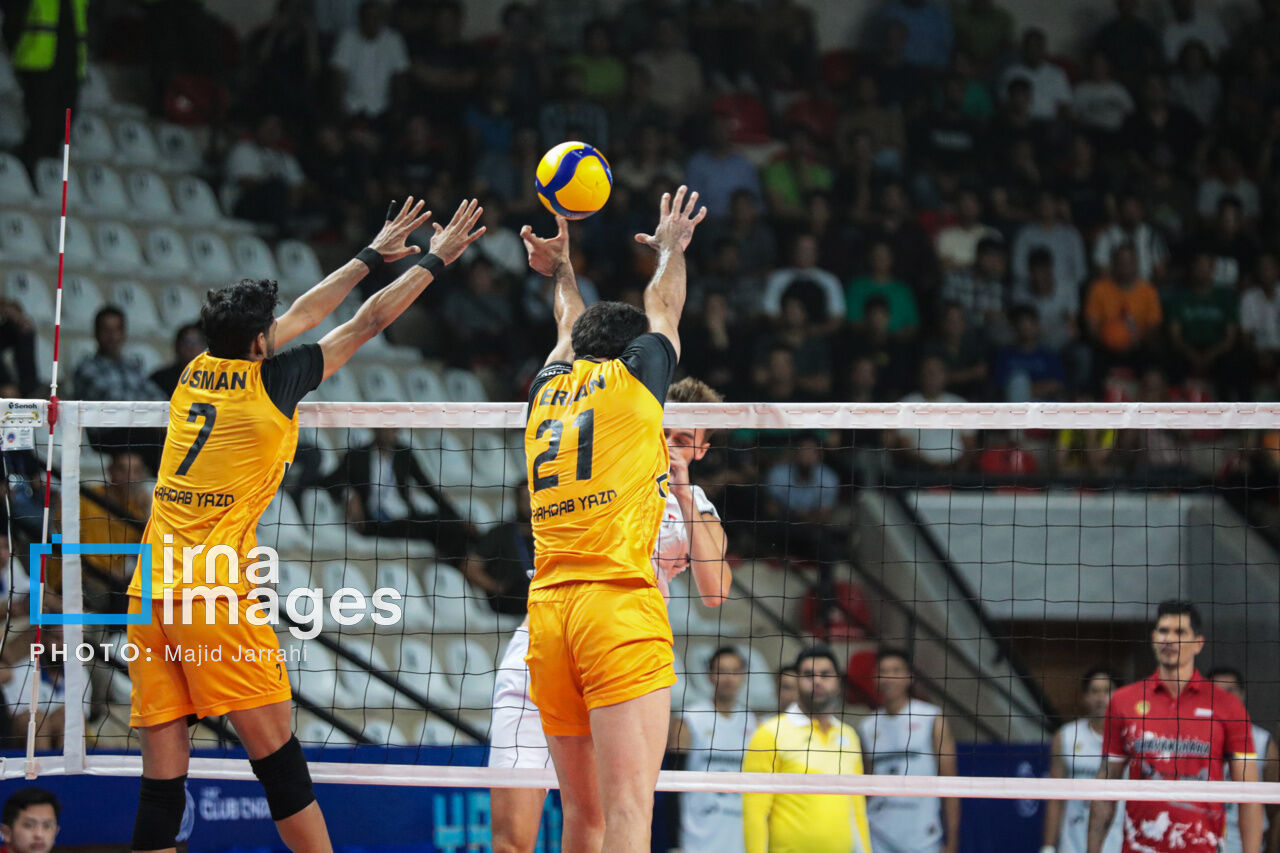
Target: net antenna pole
(31,767)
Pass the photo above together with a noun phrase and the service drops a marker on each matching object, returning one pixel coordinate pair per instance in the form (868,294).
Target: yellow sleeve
(861,828)
(761,752)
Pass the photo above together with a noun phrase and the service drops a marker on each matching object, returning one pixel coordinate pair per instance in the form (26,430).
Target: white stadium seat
(144,357)
(13,124)
(341,387)
(436,732)
(178,306)
(138,307)
(92,138)
(81,300)
(48,177)
(299,267)
(424,385)
(253,258)
(212,259)
(105,189)
(150,196)
(419,669)
(20,239)
(197,204)
(489,458)
(167,253)
(135,144)
(380,384)
(119,250)
(33,293)
(462,386)
(472,671)
(458,607)
(8,81)
(179,151)
(15,185)
(415,604)
(281,527)
(80,253)
(95,92)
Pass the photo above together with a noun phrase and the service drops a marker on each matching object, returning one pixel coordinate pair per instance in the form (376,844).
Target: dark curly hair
(605,329)
(233,317)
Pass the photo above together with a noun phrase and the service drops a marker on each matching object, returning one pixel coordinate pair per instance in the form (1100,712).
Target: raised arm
(387,304)
(664,297)
(310,309)
(550,257)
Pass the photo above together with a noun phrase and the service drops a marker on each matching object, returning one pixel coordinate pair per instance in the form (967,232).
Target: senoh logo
(305,607)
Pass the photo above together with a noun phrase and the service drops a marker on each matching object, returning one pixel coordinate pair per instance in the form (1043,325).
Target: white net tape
(511,416)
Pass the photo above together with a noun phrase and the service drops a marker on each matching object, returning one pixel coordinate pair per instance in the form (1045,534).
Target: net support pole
(74,675)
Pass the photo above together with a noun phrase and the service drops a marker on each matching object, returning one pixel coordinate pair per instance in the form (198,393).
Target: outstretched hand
(546,254)
(450,241)
(676,222)
(390,242)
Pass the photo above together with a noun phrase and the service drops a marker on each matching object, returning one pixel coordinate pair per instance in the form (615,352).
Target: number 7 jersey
(598,465)
(233,430)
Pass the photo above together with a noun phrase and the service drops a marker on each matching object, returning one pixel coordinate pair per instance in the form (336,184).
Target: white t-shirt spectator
(1203,27)
(369,65)
(936,446)
(1104,106)
(1213,190)
(249,161)
(1056,312)
(775,287)
(798,492)
(1050,87)
(1147,244)
(1260,318)
(958,246)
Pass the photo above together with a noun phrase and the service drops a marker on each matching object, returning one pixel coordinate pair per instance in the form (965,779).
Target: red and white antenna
(30,768)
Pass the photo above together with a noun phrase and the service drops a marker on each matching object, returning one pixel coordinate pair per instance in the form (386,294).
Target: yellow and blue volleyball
(573,180)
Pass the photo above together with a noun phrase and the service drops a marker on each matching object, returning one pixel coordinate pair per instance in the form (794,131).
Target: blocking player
(1174,724)
(600,659)
(1077,754)
(233,428)
(691,536)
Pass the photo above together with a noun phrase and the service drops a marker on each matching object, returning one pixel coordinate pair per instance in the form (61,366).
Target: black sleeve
(555,368)
(652,359)
(291,375)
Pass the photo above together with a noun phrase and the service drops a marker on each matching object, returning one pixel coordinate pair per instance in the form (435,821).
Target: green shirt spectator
(880,282)
(1204,317)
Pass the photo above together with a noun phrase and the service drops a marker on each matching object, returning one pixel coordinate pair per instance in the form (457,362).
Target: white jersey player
(1077,754)
(690,537)
(908,737)
(714,736)
(1264,745)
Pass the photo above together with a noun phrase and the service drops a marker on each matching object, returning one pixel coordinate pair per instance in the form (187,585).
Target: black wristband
(370,257)
(433,264)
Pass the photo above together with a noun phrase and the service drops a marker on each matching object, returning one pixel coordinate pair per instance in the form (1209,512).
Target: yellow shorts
(593,644)
(203,670)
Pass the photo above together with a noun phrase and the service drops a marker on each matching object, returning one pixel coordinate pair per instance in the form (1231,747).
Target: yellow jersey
(597,463)
(804,823)
(233,430)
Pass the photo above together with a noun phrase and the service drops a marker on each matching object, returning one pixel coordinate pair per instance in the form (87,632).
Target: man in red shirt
(1176,725)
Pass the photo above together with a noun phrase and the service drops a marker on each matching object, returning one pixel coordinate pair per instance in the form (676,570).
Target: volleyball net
(1006,549)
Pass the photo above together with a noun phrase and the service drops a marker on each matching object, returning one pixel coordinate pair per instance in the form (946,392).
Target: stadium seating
(15,185)
(299,267)
(178,305)
(81,299)
(143,356)
(79,248)
(48,181)
(253,258)
(197,204)
(418,666)
(167,253)
(93,138)
(33,293)
(424,385)
(106,193)
(470,668)
(213,264)
(150,196)
(462,386)
(119,251)
(138,306)
(380,384)
(20,238)
(179,151)
(135,144)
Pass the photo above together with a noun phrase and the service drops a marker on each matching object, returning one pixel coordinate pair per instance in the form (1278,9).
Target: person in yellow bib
(233,428)
(807,738)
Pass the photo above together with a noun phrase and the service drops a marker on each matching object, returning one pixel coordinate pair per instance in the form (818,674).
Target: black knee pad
(160,806)
(285,779)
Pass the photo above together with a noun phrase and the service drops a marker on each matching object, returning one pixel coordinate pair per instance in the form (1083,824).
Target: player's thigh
(158,689)
(630,739)
(516,814)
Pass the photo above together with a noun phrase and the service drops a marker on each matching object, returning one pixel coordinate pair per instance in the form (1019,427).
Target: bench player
(600,659)
(233,428)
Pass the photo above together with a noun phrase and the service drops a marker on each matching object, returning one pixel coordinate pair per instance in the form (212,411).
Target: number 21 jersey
(233,429)
(598,465)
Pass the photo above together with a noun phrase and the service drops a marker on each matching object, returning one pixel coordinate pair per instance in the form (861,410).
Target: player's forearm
(1101,813)
(323,298)
(1251,826)
(951,819)
(1052,822)
(568,304)
(665,294)
(711,571)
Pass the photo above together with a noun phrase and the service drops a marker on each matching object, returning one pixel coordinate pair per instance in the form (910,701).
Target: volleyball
(574,180)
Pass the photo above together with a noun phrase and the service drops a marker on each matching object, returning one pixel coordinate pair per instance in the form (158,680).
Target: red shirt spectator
(1175,725)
